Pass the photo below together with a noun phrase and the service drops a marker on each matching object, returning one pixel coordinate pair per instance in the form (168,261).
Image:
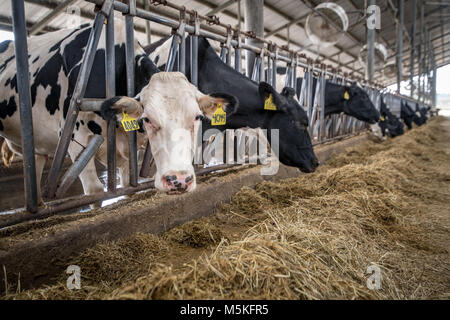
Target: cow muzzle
(176,182)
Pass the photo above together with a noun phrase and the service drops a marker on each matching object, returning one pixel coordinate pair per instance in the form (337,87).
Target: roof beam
(38,26)
(220,8)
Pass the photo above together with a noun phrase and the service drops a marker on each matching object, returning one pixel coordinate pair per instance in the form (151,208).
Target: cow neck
(215,76)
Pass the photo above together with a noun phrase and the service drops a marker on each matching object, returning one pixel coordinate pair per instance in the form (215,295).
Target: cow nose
(177,182)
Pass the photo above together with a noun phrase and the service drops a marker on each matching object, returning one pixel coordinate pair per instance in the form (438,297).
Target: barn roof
(279,17)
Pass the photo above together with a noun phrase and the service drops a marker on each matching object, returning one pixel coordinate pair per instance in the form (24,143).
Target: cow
(389,122)
(357,105)
(295,148)
(351,100)
(54,64)
(409,116)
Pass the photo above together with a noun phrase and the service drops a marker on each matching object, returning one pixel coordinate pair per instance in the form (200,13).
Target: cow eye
(199,117)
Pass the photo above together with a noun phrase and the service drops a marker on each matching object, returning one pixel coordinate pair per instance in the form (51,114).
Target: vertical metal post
(194,51)
(148,30)
(370,63)
(401,20)
(420,52)
(274,68)
(269,67)
(237,53)
(182,46)
(413,48)
(254,21)
(262,76)
(26,116)
(110,69)
(322,80)
(129,56)
(78,93)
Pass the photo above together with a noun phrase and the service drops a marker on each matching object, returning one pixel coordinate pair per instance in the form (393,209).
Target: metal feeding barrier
(322,129)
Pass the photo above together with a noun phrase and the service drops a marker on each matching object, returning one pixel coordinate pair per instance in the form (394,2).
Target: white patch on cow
(46,126)
(163,52)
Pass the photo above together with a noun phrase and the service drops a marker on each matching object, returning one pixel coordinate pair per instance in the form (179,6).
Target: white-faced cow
(54,63)
(288,117)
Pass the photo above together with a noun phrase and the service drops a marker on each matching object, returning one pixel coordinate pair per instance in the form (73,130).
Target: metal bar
(87,200)
(194,61)
(413,47)
(370,63)
(26,115)
(79,165)
(129,56)
(220,8)
(401,22)
(110,92)
(322,80)
(182,49)
(148,30)
(172,53)
(41,24)
(78,93)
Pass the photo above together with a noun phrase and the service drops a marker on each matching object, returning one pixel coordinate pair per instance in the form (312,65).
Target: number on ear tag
(346,95)
(269,105)
(129,123)
(219,117)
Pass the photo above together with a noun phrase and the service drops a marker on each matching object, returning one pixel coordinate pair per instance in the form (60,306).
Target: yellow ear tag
(346,95)
(129,123)
(219,117)
(269,105)
(382,118)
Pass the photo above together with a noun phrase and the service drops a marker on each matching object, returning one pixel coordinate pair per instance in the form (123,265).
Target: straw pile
(312,237)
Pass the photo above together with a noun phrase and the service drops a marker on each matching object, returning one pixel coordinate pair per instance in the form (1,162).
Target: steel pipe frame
(273,57)
(26,115)
(79,165)
(78,93)
(217,36)
(400,27)
(129,59)
(110,93)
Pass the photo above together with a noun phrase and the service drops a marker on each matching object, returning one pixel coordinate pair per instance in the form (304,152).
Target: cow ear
(272,99)
(113,109)
(209,103)
(288,92)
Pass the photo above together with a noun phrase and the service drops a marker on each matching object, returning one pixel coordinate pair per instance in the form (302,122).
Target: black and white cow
(408,115)
(289,118)
(54,62)
(389,123)
(351,100)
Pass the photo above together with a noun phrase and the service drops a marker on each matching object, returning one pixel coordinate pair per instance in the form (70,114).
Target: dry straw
(311,237)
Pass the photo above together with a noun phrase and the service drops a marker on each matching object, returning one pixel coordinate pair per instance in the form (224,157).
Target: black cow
(352,100)
(409,116)
(388,121)
(289,118)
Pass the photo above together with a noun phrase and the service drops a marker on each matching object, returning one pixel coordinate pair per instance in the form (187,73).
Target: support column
(400,25)
(26,117)
(370,63)
(413,48)
(254,21)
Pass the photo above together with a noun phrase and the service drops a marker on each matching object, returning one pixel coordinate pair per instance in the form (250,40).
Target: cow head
(295,148)
(358,104)
(169,108)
